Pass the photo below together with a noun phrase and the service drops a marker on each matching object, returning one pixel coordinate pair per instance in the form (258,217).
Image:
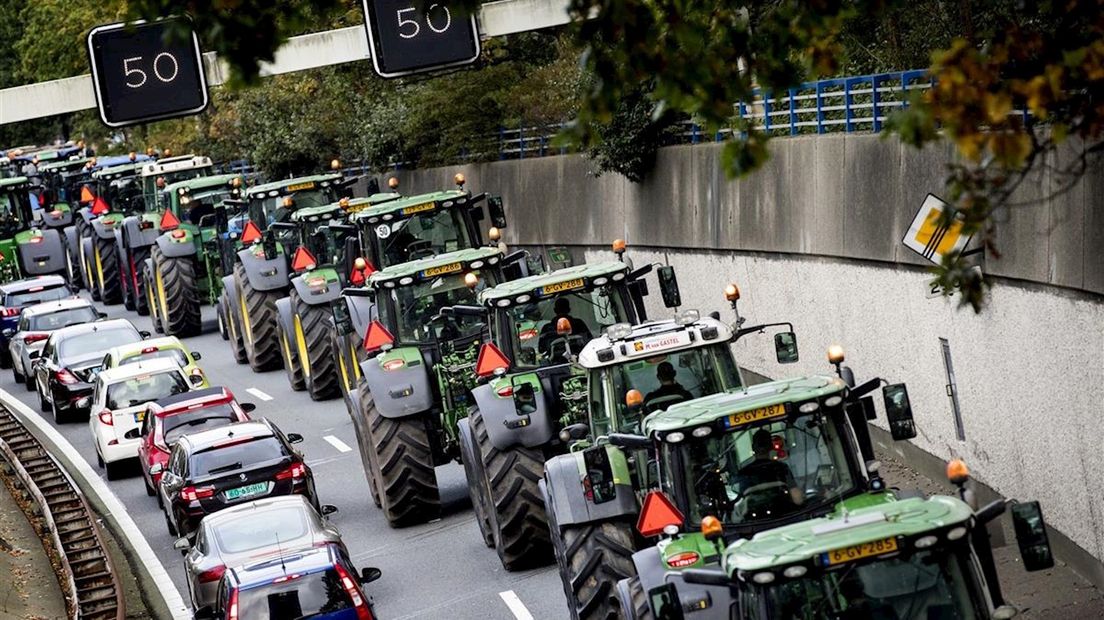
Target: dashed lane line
(520,611)
(259,394)
(337,443)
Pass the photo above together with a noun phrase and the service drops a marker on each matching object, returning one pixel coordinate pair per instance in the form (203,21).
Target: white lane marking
(337,443)
(259,394)
(520,611)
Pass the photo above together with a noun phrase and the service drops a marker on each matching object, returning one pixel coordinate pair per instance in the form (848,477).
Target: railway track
(84,567)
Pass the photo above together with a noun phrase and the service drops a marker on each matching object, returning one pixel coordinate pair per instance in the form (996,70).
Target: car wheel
(169,524)
(114,470)
(43,404)
(19,378)
(149,489)
(30,383)
(99,460)
(58,418)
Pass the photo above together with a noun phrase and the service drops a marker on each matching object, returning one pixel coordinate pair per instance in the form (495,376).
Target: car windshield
(534,324)
(765,471)
(245,453)
(176,355)
(145,388)
(420,236)
(28,298)
(926,584)
(62,318)
(413,306)
(98,341)
(176,425)
(308,596)
(262,528)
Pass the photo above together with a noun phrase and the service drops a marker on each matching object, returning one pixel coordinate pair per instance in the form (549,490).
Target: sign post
(404,40)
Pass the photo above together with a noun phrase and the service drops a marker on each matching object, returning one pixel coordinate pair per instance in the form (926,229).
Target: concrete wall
(815,239)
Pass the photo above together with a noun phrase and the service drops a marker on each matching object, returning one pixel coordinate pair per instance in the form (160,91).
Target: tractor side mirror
(599,474)
(525,397)
(342,321)
(496,211)
(899,412)
(373,186)
(668,286)
(630,442)
(222,223)
(268,244)
(1031,534)
(664,601)
(352,252)
(785,347)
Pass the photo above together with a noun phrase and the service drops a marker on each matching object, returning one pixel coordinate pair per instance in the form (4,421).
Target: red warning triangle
(303,260)
(169,221)
(251,233)
(86,194)
(490,359)
(377,337)
(99,206)
(658,513)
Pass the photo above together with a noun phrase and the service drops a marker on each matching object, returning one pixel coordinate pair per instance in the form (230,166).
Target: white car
(119,400)
(35,325)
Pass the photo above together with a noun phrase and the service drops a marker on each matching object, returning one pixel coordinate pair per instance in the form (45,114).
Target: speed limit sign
(140,76)
(406,39)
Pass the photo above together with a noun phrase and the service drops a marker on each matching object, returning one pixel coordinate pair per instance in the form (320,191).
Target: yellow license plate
(300,186)
(762,413)
(443,269)
(425,206)
(858,552)
(560,287)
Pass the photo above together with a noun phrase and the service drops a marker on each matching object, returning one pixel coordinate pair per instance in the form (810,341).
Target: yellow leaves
(1010,148)
(997,106)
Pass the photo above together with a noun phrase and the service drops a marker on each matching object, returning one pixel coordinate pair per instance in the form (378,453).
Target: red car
(170,418)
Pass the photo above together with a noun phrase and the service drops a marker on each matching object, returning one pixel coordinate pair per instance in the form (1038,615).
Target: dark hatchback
(64,372)
(15,296)
(226,466)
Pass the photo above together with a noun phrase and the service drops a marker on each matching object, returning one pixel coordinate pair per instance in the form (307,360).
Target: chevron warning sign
(928,237)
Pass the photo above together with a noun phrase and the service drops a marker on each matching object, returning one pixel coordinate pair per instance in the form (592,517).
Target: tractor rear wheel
(258,323)
(470,428)
(312,330)
(407,483)
(633,599)
(371,470)
(73,269)
(177,297)
(106,266)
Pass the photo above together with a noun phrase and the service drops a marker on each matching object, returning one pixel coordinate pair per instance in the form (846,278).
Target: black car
(15,296)
(226,466)
(64,372)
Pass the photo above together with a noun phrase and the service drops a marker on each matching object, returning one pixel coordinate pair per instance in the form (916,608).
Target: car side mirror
(369,574)
(206,612)
(899,412)
(497,212)
(1031,535)
(525,397)
(668,286)
(328,509)
(294,438)
(196,380)
(196,356)
(785,347)
(182,544)
(156,468)
(101,314)
(144,334)
(248,407)
(133,433)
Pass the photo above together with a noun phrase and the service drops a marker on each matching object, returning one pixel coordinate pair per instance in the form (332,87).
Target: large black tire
(151,300)
(371,470)
(516,509)
(473,471)
(289,353)
(107,270)
(233,331)
(258,323)
(312,338)
(220,314)
(141,301)
(126,283)
(346,370)
(177,295)
(88,267)
(592,558)
(73,270)
(633,600)
(407,482)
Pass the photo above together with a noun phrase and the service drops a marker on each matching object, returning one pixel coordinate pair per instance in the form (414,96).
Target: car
(227,466)
(169,418)
(248,533)
(169,347)
(307,583)
(15,296)
(36,323)
(69,362)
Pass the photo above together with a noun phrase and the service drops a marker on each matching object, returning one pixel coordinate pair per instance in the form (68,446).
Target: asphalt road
(437,570)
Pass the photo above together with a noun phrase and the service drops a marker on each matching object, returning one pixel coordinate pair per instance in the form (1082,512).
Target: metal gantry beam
(309,51)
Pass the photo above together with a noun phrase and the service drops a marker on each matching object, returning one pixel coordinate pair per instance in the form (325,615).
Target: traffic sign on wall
(404,40)
(139,77)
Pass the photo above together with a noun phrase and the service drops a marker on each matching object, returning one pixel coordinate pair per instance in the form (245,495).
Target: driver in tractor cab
(668,385)
(562,310)
(765,470)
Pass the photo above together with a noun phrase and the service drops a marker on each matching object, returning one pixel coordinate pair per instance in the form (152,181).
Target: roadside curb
(159,592)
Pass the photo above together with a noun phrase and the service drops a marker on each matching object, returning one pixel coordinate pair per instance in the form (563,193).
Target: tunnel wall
(814,238)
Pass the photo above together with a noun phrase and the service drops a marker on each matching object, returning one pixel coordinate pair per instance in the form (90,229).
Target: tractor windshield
(412,308)
(535,340)
(419,236)
(196,207)
(926,584)
(14,210)
(183,175)
(123,194)
(275,210)
(764,471)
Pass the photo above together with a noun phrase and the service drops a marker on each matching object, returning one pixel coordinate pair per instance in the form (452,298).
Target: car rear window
(27,298)
(266,528)
(177,425)
(145,388)
(246,452)
(175,355)
(96,342)
(62,318)
(307,596)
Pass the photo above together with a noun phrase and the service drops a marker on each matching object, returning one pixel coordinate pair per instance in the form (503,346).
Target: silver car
(36,323)
(251,532)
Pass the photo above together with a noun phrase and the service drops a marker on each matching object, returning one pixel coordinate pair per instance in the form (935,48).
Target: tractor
(25,249)
(193,253)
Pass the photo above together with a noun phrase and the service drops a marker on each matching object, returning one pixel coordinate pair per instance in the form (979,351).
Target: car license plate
(762,413)
(858,552)
(247,491)
(139,416)
(560,287)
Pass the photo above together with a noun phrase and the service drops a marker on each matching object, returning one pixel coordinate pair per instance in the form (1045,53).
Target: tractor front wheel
(468,429)
(232,323)
(137,260)
(259,323)
(407,483)
(106,266)
(371,470)
(289,352)
(312,329)
(176,294)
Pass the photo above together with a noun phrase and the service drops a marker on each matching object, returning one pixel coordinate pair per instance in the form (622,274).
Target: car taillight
(29,338)
(232,613)
(9,311)
(350,588)
(191,494)
(65,377)
(214,574)
(107,417)
(296,471)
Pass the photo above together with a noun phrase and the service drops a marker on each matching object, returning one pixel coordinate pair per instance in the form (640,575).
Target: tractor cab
(156,176)
(15,206)
(25,249)
(119,188)
(276,201)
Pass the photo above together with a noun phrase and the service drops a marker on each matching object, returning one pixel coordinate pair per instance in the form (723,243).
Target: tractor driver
(765,470)
(668,385)
(562,310)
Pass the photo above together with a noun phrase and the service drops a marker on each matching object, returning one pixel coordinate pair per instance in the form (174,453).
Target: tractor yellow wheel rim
(151,301)
(287,352)
(301,344)
(247,327)
(353,358)
(231,326)
(99,264)
(161,297)
(344,373)
(86,273)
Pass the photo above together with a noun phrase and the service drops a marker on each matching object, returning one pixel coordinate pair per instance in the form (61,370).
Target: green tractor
(25,248)
(539,325)
(913,558)
(260,277)
(194,252)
